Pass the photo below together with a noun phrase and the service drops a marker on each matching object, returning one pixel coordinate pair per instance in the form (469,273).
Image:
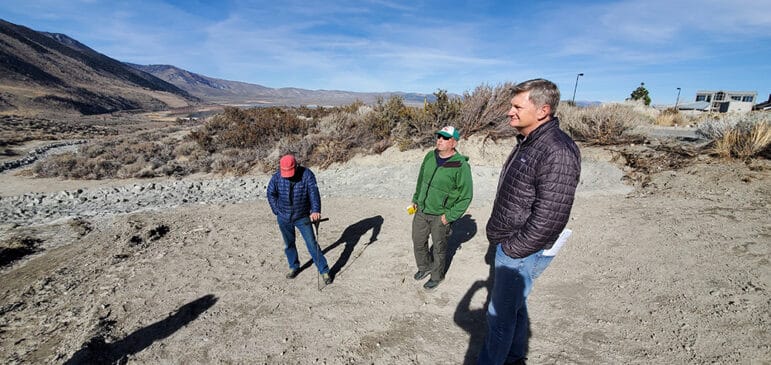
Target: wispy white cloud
(627,30)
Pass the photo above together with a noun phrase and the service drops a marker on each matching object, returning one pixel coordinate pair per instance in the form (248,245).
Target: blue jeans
(290,249)
(508,326)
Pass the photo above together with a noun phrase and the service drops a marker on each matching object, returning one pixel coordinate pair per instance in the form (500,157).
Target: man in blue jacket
(294,199)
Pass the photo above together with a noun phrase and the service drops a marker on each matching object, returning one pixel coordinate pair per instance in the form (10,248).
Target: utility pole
(576,87)
(677,101)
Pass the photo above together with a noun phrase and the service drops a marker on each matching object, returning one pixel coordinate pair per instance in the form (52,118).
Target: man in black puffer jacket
(532,206)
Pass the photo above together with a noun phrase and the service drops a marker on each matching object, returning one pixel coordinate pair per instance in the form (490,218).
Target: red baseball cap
(288,164)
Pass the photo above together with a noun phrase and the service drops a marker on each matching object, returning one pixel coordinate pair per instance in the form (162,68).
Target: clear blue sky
(422,46)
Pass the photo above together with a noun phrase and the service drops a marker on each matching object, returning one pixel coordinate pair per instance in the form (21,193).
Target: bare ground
(677,271)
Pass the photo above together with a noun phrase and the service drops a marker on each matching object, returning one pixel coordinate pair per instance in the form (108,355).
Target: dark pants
(435,259)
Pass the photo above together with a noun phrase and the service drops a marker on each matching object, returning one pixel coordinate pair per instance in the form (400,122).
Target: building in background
(727,101)
(766,105)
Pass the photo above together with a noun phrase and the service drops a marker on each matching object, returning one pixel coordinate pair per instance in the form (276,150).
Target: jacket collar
(455,150)
(554,122)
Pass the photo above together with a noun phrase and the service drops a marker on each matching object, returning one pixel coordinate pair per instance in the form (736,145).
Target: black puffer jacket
(535,191)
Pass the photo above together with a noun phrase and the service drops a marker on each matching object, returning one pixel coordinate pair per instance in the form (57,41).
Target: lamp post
(677,101)
(576,87)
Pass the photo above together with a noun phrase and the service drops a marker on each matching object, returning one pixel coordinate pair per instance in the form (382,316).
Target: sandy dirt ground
(673,272)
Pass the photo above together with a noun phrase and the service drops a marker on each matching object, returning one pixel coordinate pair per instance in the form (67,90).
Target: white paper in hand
(558,244)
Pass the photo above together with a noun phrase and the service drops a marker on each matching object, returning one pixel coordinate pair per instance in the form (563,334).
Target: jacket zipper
(429,185)
(508,165)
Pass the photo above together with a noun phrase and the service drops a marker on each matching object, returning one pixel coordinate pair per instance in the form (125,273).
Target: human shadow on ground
(351,237)
(97,351)
(463,230)
(474,321)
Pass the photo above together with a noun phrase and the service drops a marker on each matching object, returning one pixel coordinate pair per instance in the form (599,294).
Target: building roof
(726,92)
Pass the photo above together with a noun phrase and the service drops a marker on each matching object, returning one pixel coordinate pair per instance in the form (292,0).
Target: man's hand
(315,216)
(444,220)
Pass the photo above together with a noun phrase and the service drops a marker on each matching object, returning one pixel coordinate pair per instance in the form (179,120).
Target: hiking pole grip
(318,221)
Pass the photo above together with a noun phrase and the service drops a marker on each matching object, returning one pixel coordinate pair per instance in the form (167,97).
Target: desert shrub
(352,132)
(297,145)
(328,151)
(349,131)
(738,135)
(205,135)
(671,117)
(416,127)
(601,125)
(94,150)
(415,131)
(380,146)
(240,140)
(715,127)
(354,107)
(189,150)
(73,167)
(176,169)
(485,110)
(313,113)
(100,168)
(390,121)
(236,161)
(144,172)
(133,170)
(445,110)
(140,155)
(387,115)
(56,165)
(252,128)
(337,123)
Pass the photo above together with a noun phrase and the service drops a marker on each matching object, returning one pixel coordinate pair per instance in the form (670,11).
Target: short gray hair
(542,92)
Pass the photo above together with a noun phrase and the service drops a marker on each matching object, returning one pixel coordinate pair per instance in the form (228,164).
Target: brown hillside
(47,72)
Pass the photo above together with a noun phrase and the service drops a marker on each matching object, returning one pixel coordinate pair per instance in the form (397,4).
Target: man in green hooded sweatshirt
(442,195)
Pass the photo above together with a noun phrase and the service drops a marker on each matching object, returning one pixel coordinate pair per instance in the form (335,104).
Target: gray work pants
(434,259)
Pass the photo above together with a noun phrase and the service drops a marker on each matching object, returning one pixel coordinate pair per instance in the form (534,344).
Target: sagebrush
(739,136)
(238,140)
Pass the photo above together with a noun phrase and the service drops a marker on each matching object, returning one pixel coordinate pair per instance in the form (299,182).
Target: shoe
(292,274)
(431,284)
(421,274)
(327,278)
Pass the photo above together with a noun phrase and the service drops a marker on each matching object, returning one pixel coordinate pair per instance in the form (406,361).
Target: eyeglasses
(442,137)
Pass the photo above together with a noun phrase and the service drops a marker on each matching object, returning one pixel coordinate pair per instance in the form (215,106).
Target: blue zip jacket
(305,195)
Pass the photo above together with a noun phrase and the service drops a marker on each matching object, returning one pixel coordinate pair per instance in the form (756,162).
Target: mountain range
(48,73)
(235,92)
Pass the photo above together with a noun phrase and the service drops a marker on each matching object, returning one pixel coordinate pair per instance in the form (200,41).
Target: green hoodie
(445,189)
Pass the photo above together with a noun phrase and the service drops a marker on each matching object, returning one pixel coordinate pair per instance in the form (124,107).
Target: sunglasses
(438,136)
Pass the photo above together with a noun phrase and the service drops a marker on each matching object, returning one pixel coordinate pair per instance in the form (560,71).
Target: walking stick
(318,246)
